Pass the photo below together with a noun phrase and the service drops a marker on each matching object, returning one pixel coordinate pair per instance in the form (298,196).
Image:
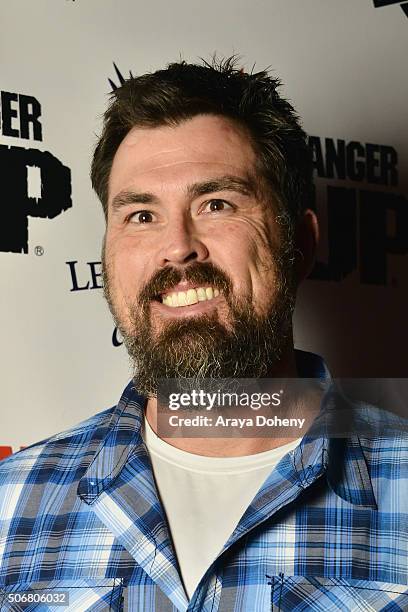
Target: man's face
(193,254)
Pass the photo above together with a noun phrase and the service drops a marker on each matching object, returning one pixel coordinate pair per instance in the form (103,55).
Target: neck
(229,447)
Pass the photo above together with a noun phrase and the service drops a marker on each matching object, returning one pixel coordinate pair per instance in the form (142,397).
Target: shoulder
(382,433)
(70,450)
(386,457)
(386,454)
(385,447)
(383,438)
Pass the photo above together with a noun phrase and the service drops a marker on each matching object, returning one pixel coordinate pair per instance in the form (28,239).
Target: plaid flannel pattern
(80,515)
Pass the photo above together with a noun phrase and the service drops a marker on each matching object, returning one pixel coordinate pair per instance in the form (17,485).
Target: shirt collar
(341,459)
(346,465)
(121,438)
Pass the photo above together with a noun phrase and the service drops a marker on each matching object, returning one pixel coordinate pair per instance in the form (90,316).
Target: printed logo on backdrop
(365,225)
(87,276)
(381,3)
(34,183)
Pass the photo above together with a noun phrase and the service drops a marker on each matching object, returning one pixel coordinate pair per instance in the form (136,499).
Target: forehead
(203,145)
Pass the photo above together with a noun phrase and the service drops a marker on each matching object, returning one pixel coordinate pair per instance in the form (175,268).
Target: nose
(180,243)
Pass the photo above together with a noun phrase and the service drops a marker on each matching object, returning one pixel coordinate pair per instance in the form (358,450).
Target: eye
(142,216)
(217,205)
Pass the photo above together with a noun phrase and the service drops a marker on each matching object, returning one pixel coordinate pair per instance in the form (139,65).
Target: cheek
(243,250)
(257,254)
(125,269)
(251,242)
(230,250)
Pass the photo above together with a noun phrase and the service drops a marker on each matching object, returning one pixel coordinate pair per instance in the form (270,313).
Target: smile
(189,297)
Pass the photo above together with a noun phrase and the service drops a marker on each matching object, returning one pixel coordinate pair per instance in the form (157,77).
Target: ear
(306,240)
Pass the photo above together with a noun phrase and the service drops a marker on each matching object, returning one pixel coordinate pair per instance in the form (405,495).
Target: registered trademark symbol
(39,250)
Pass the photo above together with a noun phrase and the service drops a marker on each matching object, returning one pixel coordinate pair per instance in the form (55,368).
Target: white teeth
(182,298)
(189,297)
(201,294)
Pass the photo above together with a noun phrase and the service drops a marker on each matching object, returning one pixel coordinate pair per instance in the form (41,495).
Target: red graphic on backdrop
(6,451)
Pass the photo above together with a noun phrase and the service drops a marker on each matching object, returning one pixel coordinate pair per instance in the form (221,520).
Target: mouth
(180,299)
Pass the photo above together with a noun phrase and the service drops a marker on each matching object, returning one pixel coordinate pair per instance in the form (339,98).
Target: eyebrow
(245,186)
(124,198)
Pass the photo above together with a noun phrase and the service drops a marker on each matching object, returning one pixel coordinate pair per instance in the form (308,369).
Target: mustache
(201,273)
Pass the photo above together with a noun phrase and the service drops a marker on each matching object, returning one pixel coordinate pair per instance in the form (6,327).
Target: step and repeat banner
(343,66)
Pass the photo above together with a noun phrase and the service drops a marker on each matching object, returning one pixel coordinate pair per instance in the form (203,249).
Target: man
(205,180)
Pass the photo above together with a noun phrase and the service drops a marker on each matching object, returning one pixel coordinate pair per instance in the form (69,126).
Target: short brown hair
(182,91)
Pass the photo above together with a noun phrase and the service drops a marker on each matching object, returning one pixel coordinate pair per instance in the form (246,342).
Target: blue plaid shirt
(81,522)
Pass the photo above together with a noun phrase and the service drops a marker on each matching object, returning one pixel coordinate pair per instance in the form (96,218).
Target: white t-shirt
(205,497)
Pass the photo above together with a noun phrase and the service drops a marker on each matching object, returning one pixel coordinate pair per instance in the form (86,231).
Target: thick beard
(202,347)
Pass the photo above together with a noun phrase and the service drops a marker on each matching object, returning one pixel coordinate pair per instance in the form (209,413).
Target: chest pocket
(304,594)
(81,595)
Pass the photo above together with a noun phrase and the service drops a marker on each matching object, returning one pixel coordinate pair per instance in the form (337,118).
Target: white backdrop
(343,64)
